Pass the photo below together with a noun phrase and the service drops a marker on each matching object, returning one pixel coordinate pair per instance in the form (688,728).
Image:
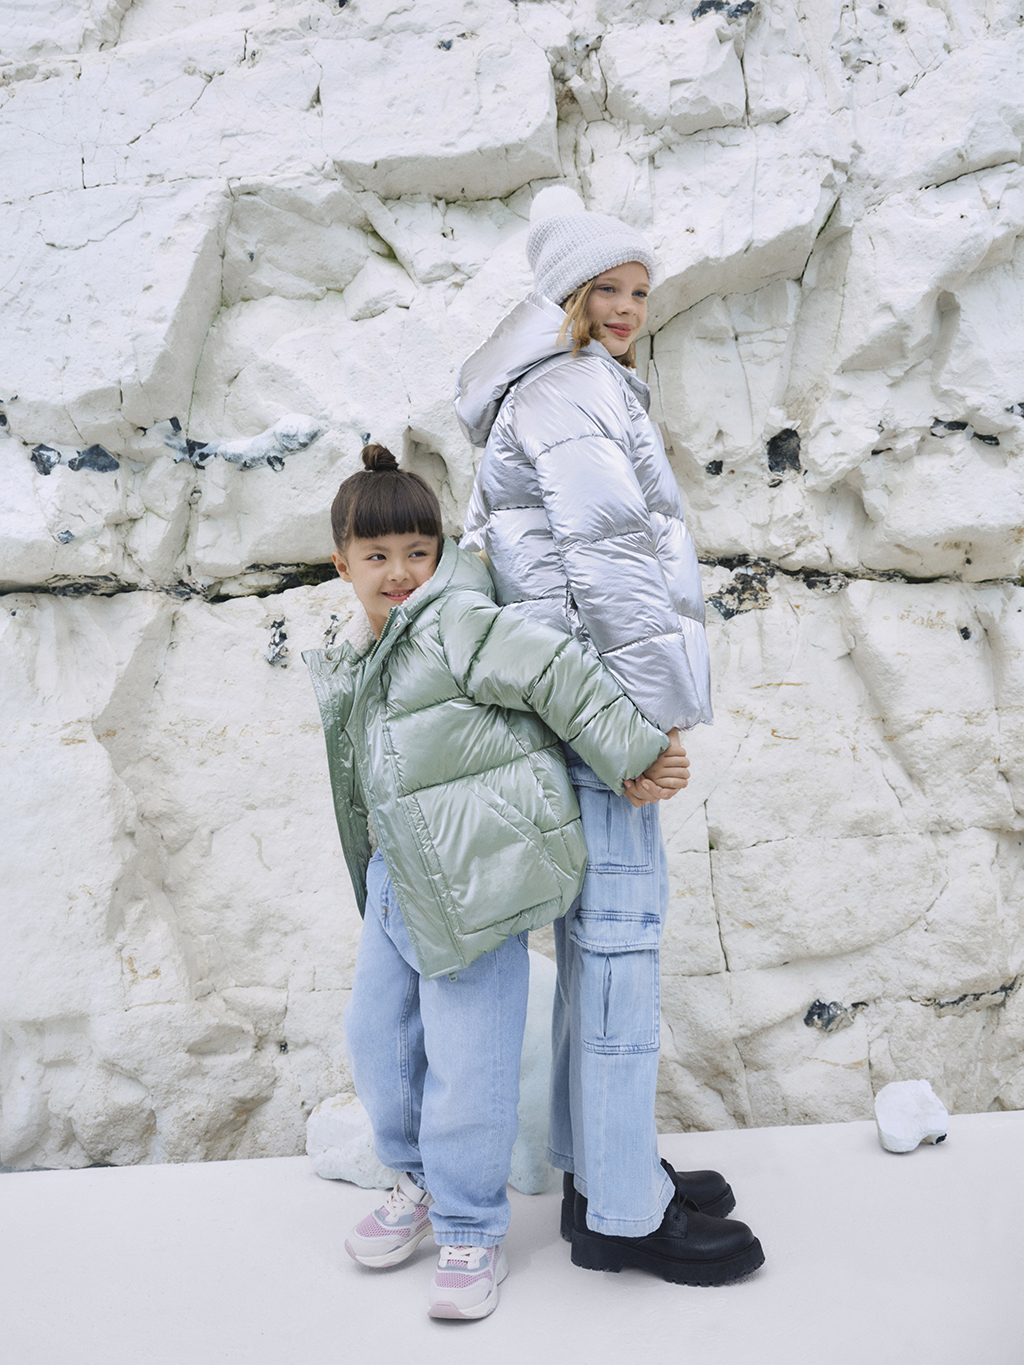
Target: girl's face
(386,572)
(618,305)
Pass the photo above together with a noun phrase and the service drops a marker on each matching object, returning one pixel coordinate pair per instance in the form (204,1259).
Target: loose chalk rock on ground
(339,1141)
(909,1113)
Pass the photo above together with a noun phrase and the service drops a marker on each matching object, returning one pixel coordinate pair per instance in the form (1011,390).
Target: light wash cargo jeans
(605,1029)
(436,1063)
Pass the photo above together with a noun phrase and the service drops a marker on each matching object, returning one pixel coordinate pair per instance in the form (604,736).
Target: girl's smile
(387,571)
(617,305)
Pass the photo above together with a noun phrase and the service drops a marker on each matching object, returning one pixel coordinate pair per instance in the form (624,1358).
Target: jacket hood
(522,339)
(457,569)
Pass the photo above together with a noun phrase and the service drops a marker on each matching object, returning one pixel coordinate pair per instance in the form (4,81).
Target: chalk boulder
(908,1113)
(339,1142)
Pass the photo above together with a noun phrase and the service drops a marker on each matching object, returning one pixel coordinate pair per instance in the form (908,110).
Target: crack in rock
(971,1000)
(942,429)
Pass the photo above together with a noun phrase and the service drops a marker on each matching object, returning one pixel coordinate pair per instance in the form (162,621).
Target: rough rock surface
(217,216)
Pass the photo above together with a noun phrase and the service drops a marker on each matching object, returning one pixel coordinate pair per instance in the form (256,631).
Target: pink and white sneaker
(391,1233)
(466,1282)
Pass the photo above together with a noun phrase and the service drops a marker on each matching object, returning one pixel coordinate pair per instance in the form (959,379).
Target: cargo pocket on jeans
(620,838)
(620,1002)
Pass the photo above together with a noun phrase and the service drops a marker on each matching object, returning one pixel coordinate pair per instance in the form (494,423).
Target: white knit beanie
(568,246)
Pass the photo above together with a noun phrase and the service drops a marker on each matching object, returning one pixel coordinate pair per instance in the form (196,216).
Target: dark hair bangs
(384,500)
(397,504)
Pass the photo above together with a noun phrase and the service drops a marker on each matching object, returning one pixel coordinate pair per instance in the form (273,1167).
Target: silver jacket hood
(578,511)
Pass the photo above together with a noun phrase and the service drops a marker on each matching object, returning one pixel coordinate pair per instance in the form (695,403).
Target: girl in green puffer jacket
(442,718)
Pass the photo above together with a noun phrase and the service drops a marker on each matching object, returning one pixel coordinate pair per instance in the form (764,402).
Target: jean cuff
(632,1227)
(559,1161)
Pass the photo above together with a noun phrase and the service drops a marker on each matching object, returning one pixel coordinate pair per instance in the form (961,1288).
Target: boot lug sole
(598,1253)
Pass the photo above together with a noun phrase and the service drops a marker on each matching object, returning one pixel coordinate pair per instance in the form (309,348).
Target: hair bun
(378,458)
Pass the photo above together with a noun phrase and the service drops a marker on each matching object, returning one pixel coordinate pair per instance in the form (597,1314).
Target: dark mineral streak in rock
(784,451)
(331,633)
(94,458)
(971,1000)
(184,448)
(45,458)
(748,590)
(942,429)
(832,1016)
(296,575)
(826,582)
(102,585)
(97,459)
(739,11)
(277,654)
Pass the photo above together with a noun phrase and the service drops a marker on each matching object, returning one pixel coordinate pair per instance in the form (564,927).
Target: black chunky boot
(710,1192)
(690,1247)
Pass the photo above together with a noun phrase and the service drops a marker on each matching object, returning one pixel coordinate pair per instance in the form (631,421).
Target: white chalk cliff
(238,239)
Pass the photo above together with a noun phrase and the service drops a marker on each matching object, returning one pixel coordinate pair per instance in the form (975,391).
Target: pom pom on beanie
(568,246)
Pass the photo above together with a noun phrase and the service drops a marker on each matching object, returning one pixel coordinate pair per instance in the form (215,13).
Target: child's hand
(668,774)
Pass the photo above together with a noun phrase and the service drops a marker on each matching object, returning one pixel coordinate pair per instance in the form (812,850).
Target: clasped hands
(668,774)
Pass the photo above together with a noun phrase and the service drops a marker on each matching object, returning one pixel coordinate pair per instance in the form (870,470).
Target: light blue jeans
(436,1063)
(605,1028)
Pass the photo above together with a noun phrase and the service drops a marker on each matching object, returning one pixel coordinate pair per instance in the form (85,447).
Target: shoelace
(459,1253)
(395,1202)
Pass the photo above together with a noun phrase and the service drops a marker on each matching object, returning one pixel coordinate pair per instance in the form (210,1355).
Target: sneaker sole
(395,1257)
(603,1253)
(718,1208)
(447,1309)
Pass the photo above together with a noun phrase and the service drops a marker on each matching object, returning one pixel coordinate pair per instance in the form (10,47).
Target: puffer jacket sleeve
(607,537)
(500,659)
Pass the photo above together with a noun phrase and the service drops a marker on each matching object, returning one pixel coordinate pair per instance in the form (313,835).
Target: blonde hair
(582,330)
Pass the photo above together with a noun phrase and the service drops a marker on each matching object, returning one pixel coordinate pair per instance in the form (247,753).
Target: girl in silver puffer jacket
(580,518)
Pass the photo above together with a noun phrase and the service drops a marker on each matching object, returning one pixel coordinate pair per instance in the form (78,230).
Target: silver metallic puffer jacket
(578,511)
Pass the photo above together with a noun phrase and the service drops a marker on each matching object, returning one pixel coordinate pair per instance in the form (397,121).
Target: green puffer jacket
(436,730)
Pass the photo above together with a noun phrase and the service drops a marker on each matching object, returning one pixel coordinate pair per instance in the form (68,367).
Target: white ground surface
(870,1258)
